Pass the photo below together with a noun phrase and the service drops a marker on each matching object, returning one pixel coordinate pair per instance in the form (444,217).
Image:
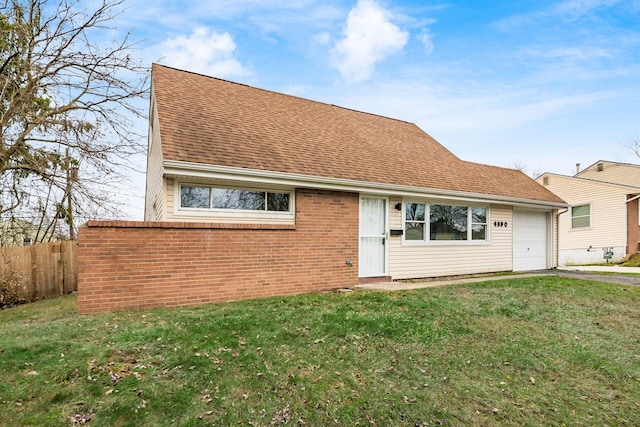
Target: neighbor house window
(581,216)
(205,197)
(445,222)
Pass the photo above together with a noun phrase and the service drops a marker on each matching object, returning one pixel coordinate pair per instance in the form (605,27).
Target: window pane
(582,221)
(238,199)
(479,215)
(278,202)
(448,222)
(195,197)
(581,210)
(479,232)
(413,231)
(414,212)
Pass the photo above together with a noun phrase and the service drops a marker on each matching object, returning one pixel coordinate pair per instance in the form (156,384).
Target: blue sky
(541,85)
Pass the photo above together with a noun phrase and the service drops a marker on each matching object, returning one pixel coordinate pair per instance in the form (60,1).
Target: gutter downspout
(558,234)
(626,222)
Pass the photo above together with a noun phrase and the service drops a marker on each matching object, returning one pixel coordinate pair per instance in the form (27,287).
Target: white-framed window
(229,203)
(581,216)
(425,222)
(415,223)
(207,197)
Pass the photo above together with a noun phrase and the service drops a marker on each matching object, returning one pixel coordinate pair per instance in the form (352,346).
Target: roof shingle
(213,121)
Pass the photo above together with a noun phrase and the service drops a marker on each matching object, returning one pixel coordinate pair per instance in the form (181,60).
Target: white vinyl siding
(608,213)
(407,260)
(616,173)
(154,209)
(608,219)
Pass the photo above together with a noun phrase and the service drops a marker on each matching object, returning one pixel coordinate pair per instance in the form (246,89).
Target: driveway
(606,274)
(572,273)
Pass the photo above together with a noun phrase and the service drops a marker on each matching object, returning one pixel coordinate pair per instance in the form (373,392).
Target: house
(254,193)
(18,232)
(602,223)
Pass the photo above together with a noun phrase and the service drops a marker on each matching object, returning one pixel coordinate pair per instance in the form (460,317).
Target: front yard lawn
(514,352)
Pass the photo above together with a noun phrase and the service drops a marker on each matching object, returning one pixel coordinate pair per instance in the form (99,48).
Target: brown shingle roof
(212,121)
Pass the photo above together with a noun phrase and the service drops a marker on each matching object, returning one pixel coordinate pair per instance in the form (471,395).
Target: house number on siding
(499,223)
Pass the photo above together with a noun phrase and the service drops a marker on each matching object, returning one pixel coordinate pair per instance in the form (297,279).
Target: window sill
(447,243)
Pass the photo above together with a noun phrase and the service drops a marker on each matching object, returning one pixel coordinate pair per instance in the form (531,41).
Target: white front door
(529,240)
(372,259)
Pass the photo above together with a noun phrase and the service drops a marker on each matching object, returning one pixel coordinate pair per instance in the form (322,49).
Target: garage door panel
(529,240)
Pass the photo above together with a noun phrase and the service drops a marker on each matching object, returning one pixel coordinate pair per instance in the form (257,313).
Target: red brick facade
(125,265)
(633,229)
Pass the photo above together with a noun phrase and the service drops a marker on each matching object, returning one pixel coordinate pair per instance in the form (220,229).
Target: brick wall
(123,265)
(633,229)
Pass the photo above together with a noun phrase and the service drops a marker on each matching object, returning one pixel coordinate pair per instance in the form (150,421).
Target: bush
(633,261)
(11,289)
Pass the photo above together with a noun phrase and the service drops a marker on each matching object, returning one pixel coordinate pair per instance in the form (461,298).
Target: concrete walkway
(582,273)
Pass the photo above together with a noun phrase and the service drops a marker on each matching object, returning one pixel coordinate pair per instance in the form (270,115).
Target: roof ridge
(608,161)
(599,181)
(284,94)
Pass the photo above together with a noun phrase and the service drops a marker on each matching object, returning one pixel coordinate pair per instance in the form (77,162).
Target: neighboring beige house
(602,223)
(228,153)
(17,232)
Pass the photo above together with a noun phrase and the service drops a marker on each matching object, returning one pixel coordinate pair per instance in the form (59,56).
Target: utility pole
(72,175)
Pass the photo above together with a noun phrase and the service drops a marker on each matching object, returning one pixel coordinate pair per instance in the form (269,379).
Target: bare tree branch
(67,100)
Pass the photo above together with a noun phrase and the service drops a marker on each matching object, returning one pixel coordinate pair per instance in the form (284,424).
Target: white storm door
(372,259)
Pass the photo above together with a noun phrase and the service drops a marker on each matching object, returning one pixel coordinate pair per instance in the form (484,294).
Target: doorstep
(378,279)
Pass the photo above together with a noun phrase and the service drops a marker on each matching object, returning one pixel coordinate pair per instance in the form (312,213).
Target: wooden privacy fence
(43,270)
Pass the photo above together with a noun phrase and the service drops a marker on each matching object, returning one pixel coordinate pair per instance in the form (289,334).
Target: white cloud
(369,37)
(204,52)
(322,39)
(567,11)
(427,40)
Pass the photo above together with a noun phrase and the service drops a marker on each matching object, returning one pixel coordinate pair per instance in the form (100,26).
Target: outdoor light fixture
(398,206)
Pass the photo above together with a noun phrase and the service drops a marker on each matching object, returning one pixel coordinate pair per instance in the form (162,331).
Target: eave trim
(173,168)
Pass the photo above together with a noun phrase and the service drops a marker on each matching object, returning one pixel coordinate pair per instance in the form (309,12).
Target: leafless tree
(69,101)
(634,145)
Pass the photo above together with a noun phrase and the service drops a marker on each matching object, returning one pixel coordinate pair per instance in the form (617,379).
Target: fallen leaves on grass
(281,417)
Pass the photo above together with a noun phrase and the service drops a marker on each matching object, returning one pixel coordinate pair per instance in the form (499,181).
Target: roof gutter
(188,169)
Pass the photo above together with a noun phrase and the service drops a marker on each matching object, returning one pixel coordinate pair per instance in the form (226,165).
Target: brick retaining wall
(123,265)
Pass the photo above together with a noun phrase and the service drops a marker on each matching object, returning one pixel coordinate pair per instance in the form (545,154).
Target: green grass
(514,352)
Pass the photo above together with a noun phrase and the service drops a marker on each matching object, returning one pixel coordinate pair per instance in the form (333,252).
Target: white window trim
(588,227)
(427,222)
(234,215)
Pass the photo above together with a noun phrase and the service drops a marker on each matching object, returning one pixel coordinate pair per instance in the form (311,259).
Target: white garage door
(529,240)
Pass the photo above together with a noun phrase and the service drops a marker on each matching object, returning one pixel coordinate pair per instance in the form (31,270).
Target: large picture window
(448,222)
(445,222)
(581,216)
(205,197)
